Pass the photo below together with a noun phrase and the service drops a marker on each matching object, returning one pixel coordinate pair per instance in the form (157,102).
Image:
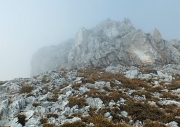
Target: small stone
(107,114)
(124,113)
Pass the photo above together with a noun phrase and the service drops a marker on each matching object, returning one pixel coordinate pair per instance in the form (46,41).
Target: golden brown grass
(64,85)
(92,74)
(45,89)
(74,124)
(77,101)
(107,89)
(143,111)
(54,98)
(52,115)
(174,85)
(48,125)
(2,82)
(177,111)
(147,71)
(150,123)
(76,86)
(35,104)
(29,94)
(43,120)
(45,80)
(55,95)
(100,121)
(169,95)
(156,89)
(26,88)
(21,119)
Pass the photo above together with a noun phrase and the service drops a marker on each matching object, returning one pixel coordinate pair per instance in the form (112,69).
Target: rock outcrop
(110,43)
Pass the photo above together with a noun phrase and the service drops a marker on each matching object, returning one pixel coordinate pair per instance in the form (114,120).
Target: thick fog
(27,25)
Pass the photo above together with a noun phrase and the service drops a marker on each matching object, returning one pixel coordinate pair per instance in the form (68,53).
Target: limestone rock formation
(110,43)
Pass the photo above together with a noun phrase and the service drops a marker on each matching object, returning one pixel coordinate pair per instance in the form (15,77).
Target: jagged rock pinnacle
(109,43)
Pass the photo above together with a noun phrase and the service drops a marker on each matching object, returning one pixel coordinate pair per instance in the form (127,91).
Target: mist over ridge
(110,43)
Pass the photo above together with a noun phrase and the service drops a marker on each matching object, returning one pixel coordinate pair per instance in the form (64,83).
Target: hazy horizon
(26,26)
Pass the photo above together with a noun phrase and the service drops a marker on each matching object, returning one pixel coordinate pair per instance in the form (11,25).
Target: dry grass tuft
(100,121)
(54,98)
(52,115)
(107,89)
(147,71)
(2,82)
(29,94)
(89,80)
(48,125)
(45,89)
(169,95)
(174,85)
(156,89)
(35,104)
(76,86)
(149,123)
(177,112)
(45,80)
(26,88)
(43,120)
(21,119)
(74,124)
(77,101)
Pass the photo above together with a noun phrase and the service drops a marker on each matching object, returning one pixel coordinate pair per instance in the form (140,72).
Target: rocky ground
(115,97)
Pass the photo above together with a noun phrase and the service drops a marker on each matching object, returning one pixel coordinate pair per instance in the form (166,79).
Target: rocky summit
(110,43)
(90,97)
(109,76)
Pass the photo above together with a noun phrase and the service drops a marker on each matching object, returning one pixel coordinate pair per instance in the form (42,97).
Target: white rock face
(110,43)
(71,120)
(3,108)
(132,73)
(95,102)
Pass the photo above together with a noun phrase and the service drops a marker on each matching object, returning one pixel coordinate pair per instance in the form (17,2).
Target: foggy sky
(27,25)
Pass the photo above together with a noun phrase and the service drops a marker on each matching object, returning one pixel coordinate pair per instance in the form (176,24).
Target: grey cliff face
(110,43)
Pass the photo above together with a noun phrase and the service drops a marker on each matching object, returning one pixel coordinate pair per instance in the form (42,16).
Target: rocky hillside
(89,97)
(110,43)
